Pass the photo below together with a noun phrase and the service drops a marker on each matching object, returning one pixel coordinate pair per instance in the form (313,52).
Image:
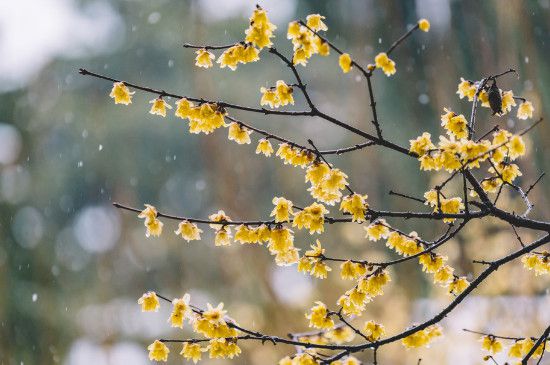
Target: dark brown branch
(534,184)
(401,39)
(223,104)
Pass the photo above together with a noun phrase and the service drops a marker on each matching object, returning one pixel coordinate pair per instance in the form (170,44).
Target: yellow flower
(220,348)
(316,172)
(525,110)
(304,264)
(315,22)
(149,302)
(303,359)
(385,63)
(466,89)
(223,237)
(204,58)
(508,101)
(159,107)
(192,351)
(431,262)
(475,152)
(205,118)
(320,270)
(261,30)
(422,144)
(447,205)
(189,231)
(239,133)
(422,337)
(185,109)
(491,344)
(250,54)
(231,57)
(443,275)
(395,239)
(244,234)
(456,125)
(282,210)
(318,317)
(264,147)
(180,311)
(509,172)
(269,97)
(214,315)
(424,25)
(377,230)
(153,225)
(345,62)
(334,181)
(281,239)
(293,30)
(515,350)
(483,97)
(324,48)
(516,147)
(288,257)
(300,57)
(121,93)
(340,335)
(538,263)
(373,330)
(158,351)
(149,213)
(352,270)
(458,285)
(311,217)
(356,205)
(284,93)
(350,307)
(522,348)
(154,228)
(211,323)
(374,284)
(220,216)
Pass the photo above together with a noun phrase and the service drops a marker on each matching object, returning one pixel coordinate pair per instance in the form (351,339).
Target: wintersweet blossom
(121,93)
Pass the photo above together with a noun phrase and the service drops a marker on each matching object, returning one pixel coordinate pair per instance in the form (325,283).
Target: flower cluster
(319,317)
(326,183)
(383,62)
(356,205)
(440,204)
(313,263)
(468,89)
(257,36)
(280,95)
(373,330)
(305,42)
(456,151)
(311,217)
(152,223)
(518,349)
(294,156)
(212,323)
(354,301)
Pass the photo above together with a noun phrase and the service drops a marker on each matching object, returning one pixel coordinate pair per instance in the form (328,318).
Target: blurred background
(72,266)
